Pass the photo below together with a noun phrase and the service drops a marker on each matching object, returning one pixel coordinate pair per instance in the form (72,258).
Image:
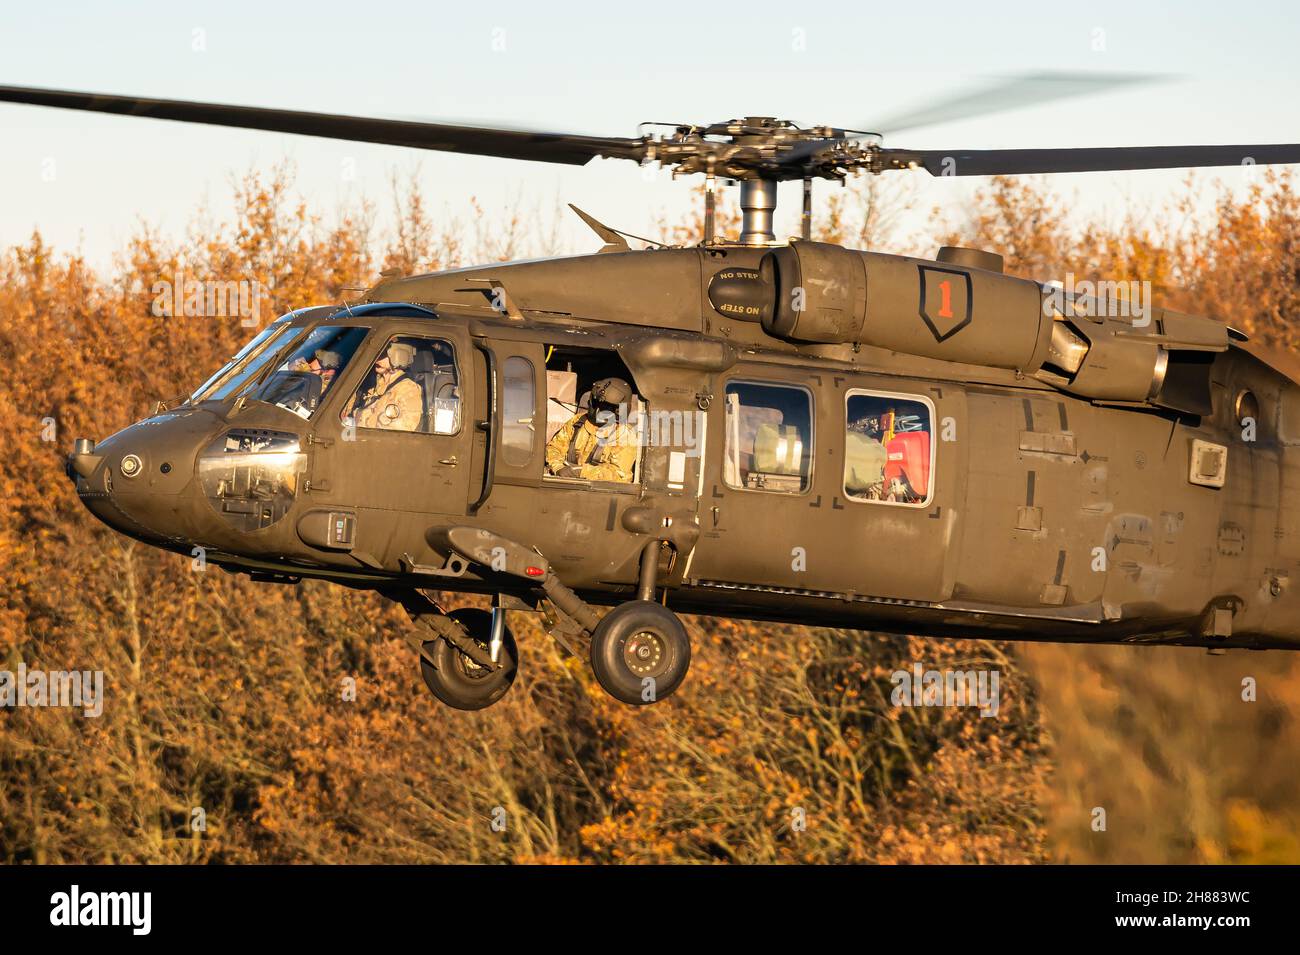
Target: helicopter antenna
(710,205)
(657,245)
(613,238)
(806,219)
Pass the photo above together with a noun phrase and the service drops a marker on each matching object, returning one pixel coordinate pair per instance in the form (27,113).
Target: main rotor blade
(479,141)
(1012,162)
(1011,93)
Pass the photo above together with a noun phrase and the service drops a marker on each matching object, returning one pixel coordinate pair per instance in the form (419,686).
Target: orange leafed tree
(228,733)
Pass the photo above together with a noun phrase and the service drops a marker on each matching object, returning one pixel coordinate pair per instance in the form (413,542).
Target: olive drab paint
(924,446)
(1052,515)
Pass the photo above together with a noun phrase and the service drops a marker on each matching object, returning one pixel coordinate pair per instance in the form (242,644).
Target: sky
(88,182)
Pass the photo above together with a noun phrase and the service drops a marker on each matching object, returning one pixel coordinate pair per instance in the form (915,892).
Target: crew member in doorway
(594,444)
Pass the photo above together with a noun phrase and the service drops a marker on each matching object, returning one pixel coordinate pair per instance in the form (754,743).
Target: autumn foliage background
(226,696)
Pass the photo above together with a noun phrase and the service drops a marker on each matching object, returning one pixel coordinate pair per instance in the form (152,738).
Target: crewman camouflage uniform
(586,448)
(396,402)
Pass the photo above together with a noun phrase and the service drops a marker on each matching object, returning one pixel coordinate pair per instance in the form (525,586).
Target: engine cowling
(961,308)
(934,309)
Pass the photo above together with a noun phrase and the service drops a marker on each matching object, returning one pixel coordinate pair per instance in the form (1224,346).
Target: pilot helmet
(401,354)
(327,358)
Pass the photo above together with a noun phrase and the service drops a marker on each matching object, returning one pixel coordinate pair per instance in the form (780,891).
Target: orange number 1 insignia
(945,306)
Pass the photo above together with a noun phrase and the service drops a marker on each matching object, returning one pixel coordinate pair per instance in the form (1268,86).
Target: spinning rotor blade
(505,143)
(1012,162)
(1011,93)
(747,156)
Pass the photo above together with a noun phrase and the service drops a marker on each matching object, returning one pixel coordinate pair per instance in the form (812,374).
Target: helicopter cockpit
(296,380)
(236,436)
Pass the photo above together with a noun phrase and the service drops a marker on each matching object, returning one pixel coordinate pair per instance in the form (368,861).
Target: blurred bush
(227,697)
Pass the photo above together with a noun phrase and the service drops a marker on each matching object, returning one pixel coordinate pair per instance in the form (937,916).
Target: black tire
(636,641)
(457,680)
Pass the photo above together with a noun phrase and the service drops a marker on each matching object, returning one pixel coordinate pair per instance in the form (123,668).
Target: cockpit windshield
(245,365)
(307,373)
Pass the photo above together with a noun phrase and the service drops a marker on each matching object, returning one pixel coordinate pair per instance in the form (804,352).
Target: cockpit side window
(414,386)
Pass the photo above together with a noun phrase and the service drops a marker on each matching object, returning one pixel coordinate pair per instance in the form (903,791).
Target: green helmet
(611,392)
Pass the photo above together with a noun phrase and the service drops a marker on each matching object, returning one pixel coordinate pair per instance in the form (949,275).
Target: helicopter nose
(136,481)
(96,484)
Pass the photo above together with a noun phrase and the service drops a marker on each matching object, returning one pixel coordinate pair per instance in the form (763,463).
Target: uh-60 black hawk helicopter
(803,432)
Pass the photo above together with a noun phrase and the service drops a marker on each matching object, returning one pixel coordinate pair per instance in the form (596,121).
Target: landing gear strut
(640,651)
(459,681)
(471,660)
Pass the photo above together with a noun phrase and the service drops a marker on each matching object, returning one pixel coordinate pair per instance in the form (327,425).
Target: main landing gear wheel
(456,679)
(640,652)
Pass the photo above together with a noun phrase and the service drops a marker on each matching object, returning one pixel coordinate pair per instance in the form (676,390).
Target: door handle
(451,461)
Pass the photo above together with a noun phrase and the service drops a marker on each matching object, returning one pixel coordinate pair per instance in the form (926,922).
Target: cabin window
(769,437)
(518,409)
(888,448)
(412,386)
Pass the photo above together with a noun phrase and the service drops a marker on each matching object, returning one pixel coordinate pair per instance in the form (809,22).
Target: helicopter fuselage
(828,483)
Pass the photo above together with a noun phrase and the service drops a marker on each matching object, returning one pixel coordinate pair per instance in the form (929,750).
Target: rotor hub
(758,147)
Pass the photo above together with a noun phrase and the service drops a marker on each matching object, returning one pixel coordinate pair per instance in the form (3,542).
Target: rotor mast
(757,204)
(757,210)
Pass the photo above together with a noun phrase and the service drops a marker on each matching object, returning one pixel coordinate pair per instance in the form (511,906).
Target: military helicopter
(808,433)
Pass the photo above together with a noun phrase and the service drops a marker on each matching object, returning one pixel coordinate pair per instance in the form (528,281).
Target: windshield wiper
(256,383)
